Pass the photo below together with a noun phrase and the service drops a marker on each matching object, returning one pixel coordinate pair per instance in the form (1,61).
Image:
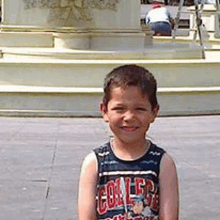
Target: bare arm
(87,189)
(169,193)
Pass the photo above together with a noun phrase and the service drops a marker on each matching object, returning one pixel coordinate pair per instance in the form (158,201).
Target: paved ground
(40,160)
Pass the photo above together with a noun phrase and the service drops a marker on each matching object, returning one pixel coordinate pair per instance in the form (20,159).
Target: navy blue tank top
(128,190)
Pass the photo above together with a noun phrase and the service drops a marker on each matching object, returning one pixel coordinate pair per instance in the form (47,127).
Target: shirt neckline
(130,160)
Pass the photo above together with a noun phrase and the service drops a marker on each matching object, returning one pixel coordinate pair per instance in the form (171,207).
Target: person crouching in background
(160,20)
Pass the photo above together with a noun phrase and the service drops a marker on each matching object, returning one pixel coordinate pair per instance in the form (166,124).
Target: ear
(154,113)
(103,109)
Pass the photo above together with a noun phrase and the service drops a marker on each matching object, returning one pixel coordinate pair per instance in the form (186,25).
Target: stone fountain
(55,54)
(91,25)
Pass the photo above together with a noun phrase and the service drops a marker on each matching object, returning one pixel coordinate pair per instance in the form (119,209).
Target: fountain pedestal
(74,24)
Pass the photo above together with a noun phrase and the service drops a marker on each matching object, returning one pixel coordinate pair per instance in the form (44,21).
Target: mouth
(129,128)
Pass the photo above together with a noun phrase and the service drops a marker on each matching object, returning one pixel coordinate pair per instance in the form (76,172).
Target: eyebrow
(136,105)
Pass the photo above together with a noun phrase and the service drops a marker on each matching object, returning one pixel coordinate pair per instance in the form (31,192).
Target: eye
(119,108)
(141,109)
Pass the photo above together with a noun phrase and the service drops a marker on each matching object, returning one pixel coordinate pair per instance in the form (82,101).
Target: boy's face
(129,114)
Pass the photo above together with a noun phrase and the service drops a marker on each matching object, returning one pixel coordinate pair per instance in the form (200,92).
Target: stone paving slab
(40,161)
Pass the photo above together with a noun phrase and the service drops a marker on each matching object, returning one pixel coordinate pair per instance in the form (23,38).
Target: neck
(129,151)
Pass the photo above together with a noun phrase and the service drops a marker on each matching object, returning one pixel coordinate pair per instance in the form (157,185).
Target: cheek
(114,118)
(146,120)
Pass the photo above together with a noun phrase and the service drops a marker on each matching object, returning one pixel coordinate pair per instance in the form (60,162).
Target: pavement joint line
(51,171)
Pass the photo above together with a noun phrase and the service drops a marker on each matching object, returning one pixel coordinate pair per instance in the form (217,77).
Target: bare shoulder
(89,164)
(169,192)
(90,158)
(167,162)
(88,175)
(167,168)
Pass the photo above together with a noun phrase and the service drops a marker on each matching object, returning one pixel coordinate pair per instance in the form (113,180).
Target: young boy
(128,178)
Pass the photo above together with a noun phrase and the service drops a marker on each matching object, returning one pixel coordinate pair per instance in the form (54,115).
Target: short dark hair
(131,75)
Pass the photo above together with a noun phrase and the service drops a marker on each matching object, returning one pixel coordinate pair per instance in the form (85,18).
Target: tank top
(128,190)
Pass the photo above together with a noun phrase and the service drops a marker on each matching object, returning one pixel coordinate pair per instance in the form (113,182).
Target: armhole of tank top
(159,168)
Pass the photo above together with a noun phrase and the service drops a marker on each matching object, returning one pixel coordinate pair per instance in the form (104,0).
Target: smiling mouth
(129,128)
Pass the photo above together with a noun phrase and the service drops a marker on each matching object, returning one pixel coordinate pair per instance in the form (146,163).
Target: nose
(129,115)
